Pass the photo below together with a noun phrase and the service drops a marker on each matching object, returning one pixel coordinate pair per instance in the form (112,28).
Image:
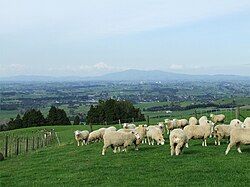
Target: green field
(69,165)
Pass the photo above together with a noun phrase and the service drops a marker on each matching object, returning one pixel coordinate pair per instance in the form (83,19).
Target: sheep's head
(160,140)
(137,136)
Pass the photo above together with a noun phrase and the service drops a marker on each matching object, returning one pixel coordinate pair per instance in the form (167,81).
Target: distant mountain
(130,75)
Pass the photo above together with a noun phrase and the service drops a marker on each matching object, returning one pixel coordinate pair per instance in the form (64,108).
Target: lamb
(217,118)
(238,136)
(81,136)
(154,133)
(177,139)
(246,123)
(116,139)
(236,123)
(192,121)
(202,131)
(129,126)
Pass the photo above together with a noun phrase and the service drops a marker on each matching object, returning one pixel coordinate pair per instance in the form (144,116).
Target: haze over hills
(130,75)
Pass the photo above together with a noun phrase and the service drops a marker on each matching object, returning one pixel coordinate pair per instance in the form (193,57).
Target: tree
(111,111)
(76,120)
(33,118)
(57,116)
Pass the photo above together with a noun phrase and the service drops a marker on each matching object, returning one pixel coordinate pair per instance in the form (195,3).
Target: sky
(89,38)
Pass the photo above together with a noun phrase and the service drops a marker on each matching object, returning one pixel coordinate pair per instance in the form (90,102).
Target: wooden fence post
(27,145)
(17,146)
(33,143)
(147,120)
(237,112)
(91,128)
(6,145)
(195,112)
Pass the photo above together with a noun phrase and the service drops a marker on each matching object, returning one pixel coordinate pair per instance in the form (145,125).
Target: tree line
(35,118)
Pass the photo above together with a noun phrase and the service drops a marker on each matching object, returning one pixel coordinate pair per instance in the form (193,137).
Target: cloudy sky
(87,38)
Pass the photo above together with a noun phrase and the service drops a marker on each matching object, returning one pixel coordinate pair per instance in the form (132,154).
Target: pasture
(70,165)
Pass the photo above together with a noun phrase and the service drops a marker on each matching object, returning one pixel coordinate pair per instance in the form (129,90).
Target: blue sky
(87,38)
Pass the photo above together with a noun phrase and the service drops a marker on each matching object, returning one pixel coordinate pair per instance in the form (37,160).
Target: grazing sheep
(217,118)
(161,127)
(202,119)
(246,123)
(96,135)
(129,126)
(141,130)
(1,157)
(154,133)
(181,123)
(202,131)
(192,121)
(81,136)
(238,136)
(220,132)
(116,139)
(177,139)
(170,125)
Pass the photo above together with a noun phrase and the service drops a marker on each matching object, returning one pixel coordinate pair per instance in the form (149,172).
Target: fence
(13,145)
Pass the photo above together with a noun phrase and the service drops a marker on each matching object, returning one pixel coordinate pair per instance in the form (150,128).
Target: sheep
(96,135)
(154,133)
(81,136)
(246,123)
(181,123)
(129,126)
(116,139)
(161,127)
(170,125)
(217,118)
(192,121)
(202,131)
(238,136)
(223,131)
(141,130)
(177,139)
(202,119)
(236,123)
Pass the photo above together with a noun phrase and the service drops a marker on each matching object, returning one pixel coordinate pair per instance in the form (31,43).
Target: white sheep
(177,139)
(220,132)
(202,131)
(192,121)
(116,139)
(246,123)
(129,126)
(96,135)
(181,123)
(217,118)
(238,136)
(202,119)
(170,125)
(154,134)
(81,136)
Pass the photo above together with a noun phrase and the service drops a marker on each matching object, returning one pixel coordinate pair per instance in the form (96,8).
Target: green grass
(69,165)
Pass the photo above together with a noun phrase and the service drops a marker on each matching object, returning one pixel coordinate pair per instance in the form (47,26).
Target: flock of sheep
(180,133)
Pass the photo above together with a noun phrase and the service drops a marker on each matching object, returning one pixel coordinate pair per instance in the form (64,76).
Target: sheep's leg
(238,147)
(230,145)
(186,145)
(205,141)
(149,142)
(152,142)
(178,149)
(215,141)
(82,142)
(119,149)
(115,150)
(78,143)
(172,150)
(104,149)
(167,131)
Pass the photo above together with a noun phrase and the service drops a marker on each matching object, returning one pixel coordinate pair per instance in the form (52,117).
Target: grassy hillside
(151,165)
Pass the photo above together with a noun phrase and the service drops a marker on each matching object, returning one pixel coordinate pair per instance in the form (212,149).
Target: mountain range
(130,75)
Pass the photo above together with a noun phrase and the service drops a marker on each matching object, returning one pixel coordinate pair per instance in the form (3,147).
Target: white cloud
(176,66)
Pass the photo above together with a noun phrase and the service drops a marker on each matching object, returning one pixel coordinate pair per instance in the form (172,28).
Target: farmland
(68,164)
